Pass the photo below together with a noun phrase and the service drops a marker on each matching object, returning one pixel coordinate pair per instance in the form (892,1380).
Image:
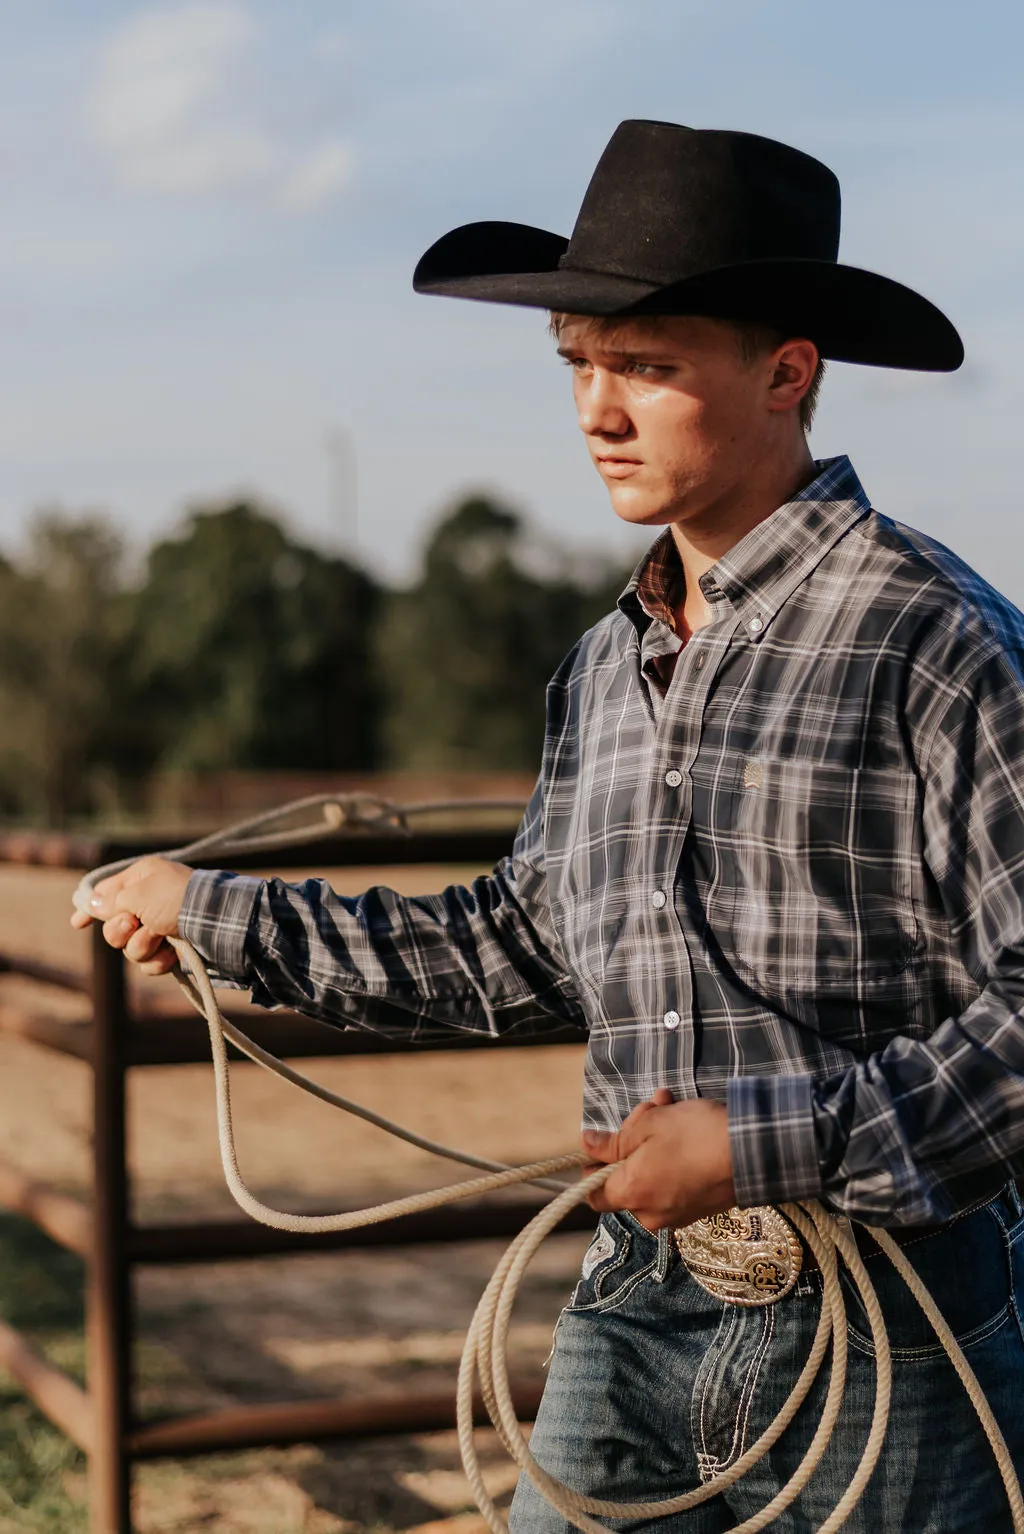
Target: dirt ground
(326,1324)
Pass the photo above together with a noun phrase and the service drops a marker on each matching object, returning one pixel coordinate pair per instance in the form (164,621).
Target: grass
(41,1292)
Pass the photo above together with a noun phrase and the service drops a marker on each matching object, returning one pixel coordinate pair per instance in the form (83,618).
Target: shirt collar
(659,581)
(760,572)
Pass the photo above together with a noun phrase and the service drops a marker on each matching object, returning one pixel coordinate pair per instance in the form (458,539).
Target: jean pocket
(619,1257)
(966,1270)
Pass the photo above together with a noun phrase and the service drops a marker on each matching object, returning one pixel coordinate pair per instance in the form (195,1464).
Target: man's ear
(793,366)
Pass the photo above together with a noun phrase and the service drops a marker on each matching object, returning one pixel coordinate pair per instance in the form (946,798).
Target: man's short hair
(754,338)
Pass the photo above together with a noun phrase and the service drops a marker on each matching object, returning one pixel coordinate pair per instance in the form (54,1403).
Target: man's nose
(599,406)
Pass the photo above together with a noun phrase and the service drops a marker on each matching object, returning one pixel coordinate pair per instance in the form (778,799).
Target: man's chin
(641,510)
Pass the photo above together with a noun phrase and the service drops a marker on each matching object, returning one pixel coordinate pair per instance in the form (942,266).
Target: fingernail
(96,903)
(590,1137)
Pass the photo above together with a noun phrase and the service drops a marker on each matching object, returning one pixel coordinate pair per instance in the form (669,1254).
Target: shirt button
(672,1019)
(755,626)
(659,899)
(673,778)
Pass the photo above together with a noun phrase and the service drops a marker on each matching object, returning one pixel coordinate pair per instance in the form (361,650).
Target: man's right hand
(139,911)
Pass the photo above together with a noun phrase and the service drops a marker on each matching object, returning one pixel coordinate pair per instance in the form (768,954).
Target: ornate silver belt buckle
(744,1256)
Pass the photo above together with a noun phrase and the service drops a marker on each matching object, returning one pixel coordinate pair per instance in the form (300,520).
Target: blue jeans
(654,1386)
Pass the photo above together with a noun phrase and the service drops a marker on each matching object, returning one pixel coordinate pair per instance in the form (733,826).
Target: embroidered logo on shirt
(752,774)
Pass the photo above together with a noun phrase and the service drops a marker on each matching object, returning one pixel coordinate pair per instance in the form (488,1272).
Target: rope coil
(486,1347)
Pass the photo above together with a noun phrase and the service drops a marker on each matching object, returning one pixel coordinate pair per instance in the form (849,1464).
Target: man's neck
(702,541)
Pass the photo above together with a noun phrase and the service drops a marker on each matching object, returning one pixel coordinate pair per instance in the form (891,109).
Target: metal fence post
(109,1309)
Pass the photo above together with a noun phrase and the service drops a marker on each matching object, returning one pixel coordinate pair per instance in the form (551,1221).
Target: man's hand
(676,1162)
(139,910)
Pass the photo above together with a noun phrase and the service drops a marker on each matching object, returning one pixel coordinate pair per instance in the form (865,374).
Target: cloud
(318,177)
(169,112)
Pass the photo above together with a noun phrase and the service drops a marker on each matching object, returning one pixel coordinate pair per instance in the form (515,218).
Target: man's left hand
(676,1162)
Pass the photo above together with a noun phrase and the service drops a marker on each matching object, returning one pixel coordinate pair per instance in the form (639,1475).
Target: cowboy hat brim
(851,315)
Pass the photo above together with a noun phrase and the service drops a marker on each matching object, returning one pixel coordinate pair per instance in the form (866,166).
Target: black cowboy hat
(697,221)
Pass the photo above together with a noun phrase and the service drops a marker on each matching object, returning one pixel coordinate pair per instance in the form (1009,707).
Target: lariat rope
(486,1348)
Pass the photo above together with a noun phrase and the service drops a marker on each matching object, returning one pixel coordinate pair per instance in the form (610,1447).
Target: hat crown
(668,201)
(701,221)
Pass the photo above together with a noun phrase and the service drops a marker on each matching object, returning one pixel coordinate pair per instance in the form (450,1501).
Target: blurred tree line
(237,646)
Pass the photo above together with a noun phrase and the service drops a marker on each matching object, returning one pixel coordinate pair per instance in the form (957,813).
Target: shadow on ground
(332,1325)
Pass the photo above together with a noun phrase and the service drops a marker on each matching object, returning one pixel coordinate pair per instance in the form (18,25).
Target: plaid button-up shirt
(791,880)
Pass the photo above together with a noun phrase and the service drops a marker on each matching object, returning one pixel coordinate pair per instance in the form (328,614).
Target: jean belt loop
(666,1251)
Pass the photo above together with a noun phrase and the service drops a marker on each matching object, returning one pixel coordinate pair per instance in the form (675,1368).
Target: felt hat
(699,221)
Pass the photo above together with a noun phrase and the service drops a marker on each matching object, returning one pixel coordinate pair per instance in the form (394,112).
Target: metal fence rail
(101,1418)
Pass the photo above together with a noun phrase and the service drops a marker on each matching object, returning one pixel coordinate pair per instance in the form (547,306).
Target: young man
(774,863)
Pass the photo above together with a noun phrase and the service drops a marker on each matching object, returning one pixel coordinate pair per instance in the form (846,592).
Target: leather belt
(906,1235)
(902,1235)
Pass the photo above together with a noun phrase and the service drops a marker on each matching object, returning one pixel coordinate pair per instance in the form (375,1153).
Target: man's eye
(643,369)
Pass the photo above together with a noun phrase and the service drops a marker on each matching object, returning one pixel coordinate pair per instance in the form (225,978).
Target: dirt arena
(279,1329)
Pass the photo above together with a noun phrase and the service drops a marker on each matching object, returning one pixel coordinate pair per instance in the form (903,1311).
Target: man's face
(674,415)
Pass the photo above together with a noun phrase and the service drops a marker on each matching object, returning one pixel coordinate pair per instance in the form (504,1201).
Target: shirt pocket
(812,873)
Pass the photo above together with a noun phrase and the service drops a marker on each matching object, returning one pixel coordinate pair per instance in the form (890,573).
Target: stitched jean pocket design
(614,1263)
(723,1390)
(964,1267)
(599,1251)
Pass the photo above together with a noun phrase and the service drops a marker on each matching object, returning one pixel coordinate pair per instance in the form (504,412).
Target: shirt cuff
(772,1139)
(215,916)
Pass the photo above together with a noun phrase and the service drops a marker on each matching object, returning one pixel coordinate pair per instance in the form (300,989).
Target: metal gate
(101,1419)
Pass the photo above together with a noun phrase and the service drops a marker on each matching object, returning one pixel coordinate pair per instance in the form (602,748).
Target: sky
(212,211)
